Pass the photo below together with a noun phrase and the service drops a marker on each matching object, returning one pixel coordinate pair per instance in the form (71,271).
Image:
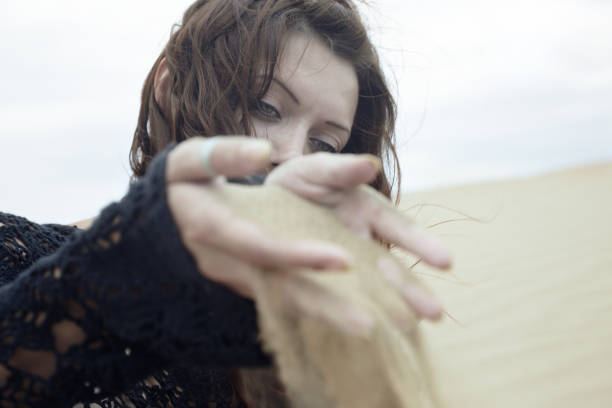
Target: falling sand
(529,300)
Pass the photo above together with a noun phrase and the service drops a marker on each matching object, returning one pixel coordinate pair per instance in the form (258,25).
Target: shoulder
(84,224)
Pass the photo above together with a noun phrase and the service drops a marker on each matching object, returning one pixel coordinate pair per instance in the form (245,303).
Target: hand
(340,183)
(226,247)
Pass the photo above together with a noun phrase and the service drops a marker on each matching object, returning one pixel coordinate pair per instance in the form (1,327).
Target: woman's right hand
(226,247)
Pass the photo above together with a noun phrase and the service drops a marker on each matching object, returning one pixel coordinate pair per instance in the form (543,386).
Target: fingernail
(376,162)
(430,248)
(441,255)
(422,302)
(425,304)
(258,149)
(334,256)
(345,261)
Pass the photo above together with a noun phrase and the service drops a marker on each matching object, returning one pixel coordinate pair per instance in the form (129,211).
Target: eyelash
(262,109)
(268,112)
(323,146)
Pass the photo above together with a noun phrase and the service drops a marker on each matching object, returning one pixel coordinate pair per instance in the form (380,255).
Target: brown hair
(221,60)
(216,58)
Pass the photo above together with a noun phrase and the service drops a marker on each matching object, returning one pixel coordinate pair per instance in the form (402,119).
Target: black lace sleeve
(23,242)
(113,304)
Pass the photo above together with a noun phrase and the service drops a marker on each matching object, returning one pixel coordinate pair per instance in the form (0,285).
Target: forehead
(318,76)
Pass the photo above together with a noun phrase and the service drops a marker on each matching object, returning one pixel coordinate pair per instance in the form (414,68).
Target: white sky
(486,90)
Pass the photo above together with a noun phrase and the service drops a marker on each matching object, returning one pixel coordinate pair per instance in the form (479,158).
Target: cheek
(274,132)
(260,129)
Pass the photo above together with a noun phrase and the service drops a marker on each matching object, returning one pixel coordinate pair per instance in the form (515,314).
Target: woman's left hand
(340,182)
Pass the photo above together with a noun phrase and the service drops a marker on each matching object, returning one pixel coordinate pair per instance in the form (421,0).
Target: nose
(279,156)
(288,145)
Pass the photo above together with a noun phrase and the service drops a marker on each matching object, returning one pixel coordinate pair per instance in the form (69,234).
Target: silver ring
(205,155)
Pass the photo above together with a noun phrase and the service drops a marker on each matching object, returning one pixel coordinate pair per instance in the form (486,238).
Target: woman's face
(311,102)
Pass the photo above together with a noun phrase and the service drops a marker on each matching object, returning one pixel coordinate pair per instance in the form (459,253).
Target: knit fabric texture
(148,330)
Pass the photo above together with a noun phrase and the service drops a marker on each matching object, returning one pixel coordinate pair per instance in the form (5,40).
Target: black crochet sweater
(148,329)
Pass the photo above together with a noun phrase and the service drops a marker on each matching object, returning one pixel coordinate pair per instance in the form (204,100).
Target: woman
(148,304)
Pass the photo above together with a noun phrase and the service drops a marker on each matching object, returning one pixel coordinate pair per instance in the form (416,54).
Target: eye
(321,146)
(265,111)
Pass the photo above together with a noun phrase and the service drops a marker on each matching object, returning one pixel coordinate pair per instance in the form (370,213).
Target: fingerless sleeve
(130,297)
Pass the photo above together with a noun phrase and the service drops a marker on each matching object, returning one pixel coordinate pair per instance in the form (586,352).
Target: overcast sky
(486,90)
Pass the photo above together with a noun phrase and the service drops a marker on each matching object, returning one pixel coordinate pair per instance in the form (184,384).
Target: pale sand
(535,308)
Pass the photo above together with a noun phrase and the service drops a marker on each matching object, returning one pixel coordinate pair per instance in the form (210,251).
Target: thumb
(202,159)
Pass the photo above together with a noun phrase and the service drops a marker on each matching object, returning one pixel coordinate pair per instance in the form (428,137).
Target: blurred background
(486,90)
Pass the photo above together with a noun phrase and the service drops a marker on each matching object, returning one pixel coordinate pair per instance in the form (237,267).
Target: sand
(531,289)
(530,296)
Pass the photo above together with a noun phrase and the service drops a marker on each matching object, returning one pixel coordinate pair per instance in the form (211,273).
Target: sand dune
(531,289)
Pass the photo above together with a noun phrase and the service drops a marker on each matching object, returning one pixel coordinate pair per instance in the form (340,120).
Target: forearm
(118,302)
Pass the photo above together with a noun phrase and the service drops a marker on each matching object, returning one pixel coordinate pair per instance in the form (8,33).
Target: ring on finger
(206,155)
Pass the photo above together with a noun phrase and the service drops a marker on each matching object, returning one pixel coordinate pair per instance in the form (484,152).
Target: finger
(243,239)
(201,159)
(336,171)
(314,301)
(313,192)
(226,270)
(395,228)
(250,243)
(424,304)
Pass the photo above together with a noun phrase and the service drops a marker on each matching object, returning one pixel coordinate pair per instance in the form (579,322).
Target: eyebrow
(286,88)
(296,100)
(339,126)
